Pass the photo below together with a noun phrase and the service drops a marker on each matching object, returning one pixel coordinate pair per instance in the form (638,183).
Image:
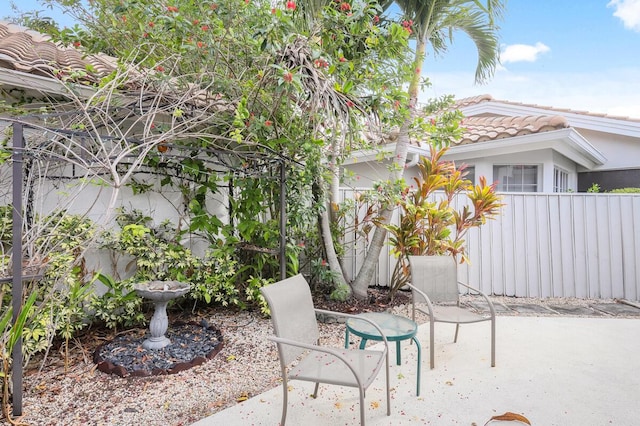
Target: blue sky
(583,55)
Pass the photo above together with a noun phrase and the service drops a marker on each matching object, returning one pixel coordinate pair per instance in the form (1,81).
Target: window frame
(521,186)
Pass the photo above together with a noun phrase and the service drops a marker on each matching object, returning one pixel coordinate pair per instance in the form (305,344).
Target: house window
(516,178)
(560,180)
(470,173)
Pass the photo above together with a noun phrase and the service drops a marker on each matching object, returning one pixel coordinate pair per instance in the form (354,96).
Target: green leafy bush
(625,191)
(119,305)
(213,280)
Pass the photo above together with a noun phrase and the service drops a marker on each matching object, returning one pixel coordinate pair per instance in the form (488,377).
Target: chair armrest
(426,298)
(481,293)
(343,315)
(328,350)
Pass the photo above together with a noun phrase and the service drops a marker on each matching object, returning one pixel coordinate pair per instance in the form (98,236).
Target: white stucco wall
(546,160)
(622,152)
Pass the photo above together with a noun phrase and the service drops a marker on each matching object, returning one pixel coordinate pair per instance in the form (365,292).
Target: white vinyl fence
(546,245)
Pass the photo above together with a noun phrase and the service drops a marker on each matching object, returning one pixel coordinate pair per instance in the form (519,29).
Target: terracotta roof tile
(481,129)
(28,51)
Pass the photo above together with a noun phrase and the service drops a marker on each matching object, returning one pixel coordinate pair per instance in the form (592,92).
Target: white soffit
(567,142)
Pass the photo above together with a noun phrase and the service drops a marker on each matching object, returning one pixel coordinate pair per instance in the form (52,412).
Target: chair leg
(361,406)
(431,346)
(285,399)
(315,391)
(386,367)
(493,342)
(455,338)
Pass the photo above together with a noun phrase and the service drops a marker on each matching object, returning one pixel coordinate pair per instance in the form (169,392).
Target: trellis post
(16,247)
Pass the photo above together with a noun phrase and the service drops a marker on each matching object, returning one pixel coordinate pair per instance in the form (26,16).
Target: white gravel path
(246,366)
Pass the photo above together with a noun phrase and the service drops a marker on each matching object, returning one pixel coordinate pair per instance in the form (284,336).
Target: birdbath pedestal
(160,293)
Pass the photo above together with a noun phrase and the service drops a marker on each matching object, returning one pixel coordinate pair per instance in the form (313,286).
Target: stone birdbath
(160,293)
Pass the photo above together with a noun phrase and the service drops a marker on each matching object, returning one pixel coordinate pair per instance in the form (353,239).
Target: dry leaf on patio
(509,416)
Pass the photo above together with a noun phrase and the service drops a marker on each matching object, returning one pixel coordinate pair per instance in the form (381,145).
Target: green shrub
(119,305)
(625,191)
(214,280)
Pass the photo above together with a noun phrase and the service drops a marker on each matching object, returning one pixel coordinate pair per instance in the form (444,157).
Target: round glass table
(395,329)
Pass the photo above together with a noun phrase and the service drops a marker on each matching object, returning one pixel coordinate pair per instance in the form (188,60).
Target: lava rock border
(106,365)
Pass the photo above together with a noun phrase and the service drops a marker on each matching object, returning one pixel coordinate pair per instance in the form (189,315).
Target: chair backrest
(436,276)
(292,314)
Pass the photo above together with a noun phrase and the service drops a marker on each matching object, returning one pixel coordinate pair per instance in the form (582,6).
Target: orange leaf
(509,416)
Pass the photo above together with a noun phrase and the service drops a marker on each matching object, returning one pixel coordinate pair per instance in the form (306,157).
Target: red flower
(124,18)
(344,6)
(291,5)
(273,10)
(200,44)
(433,122)
(196,21)
(324,262)
(321,63)
(268,123)
(204,28)
(350,104)
(407,25)
(343,59)
(213,6)
(172,9)
(376,19)
(77,43)
(163,148)
(151,24)
(288,77)
(160,68)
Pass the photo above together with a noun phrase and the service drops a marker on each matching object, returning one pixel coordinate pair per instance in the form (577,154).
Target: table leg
(419,366)
(346,339)
(363,343)
(398,354)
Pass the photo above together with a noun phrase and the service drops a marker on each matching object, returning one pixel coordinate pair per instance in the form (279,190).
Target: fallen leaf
(509,416)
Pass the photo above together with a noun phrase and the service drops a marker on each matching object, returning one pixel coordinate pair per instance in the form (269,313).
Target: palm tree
(434,21)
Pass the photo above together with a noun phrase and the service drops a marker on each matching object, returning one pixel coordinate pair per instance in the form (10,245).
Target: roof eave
(43,84)
(567,142)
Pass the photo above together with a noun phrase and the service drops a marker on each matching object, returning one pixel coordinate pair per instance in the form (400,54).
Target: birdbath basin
(160,293)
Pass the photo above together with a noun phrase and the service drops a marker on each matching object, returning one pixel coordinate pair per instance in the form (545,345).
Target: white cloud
(612,91)
(628,11)
(522,52)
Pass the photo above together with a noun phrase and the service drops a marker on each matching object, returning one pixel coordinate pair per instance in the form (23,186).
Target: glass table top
(394,327)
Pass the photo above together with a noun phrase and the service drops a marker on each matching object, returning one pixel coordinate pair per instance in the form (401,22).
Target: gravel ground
(246,366)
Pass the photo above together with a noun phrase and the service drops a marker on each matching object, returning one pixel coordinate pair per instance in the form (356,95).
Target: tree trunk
(327,241)
(367,271)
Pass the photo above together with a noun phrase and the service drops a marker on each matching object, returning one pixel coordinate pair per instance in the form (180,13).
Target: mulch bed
(378,301)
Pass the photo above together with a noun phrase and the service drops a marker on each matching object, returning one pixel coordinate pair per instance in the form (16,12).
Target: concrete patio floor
(555,370)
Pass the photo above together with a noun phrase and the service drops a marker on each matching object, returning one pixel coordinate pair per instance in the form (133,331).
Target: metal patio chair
(435,291)
(296,336)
